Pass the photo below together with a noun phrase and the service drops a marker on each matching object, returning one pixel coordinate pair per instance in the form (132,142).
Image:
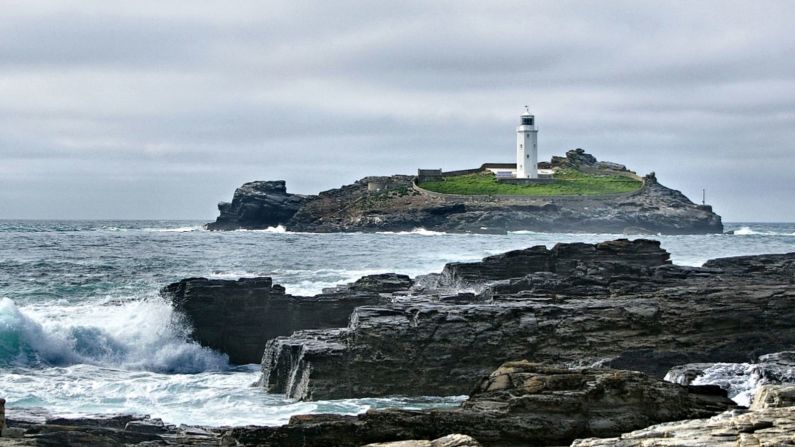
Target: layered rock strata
(618,303)
(40,429)
(562,259)
(520,403)
(768,424)
(239,317)
(395,204)
(258,205)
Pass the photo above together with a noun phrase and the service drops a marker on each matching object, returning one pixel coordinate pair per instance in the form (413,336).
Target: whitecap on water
(175,230)
(276,229)
(417,231)
(748,231)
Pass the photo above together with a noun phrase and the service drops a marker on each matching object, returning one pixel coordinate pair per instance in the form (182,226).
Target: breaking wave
(143,335)
(276,229)
(748,231)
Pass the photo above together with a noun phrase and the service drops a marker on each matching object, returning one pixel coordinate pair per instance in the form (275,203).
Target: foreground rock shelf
(518,404)
(596,325)
(619,304)
(769,422)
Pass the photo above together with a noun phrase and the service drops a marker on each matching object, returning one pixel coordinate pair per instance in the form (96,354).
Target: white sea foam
(745,231)
(276,229)
(212,399)
(748,231)
(176,229)
(417,231)
(740,380)
(140,335)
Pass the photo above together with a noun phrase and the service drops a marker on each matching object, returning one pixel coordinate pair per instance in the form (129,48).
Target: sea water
(83,329)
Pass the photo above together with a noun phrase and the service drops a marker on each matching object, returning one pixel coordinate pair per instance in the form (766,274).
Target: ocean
(84,331)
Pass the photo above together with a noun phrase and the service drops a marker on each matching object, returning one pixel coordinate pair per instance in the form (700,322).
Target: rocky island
(580,194)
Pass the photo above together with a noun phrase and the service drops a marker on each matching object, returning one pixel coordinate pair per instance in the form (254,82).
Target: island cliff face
(258,205)
(396,203)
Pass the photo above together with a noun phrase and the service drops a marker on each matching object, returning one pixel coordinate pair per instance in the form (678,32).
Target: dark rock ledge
(769,422)
(239,317)
(618,304)
(519,404)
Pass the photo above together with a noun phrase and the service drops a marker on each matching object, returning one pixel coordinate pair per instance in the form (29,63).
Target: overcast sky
(160,109)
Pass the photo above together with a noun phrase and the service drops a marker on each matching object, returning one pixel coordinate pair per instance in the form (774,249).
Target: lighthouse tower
(527,146)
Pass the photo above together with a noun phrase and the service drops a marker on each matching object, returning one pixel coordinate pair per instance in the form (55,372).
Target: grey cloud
(113,101)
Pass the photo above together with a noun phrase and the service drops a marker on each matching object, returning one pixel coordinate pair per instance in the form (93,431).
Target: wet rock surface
(39,429)
(258,205)
(563,259)
(765,425)
(238,317)
(618,304)
(394,204)
(520,403)
(574,311)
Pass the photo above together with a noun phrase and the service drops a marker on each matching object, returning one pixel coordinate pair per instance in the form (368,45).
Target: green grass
(568,182)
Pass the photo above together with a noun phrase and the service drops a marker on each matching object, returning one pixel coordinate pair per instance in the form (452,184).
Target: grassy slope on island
(568,182)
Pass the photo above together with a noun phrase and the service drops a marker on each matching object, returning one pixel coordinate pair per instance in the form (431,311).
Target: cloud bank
(156,109)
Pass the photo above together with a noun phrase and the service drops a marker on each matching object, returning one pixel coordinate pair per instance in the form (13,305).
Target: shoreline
(464,301)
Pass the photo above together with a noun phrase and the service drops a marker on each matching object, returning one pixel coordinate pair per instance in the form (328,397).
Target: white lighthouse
(527,147)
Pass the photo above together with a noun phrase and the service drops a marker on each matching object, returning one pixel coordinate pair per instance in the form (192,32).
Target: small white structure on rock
(527,146)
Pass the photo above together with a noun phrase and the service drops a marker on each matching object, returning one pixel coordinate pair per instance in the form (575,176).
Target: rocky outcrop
(2,415)
(771,424)
(575,158)
(239,317)
(395,204)
(774,396)
(780,266)
(382,283)
(618,303)
(520,403)
(41,429)
(258,205)
(562,259)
